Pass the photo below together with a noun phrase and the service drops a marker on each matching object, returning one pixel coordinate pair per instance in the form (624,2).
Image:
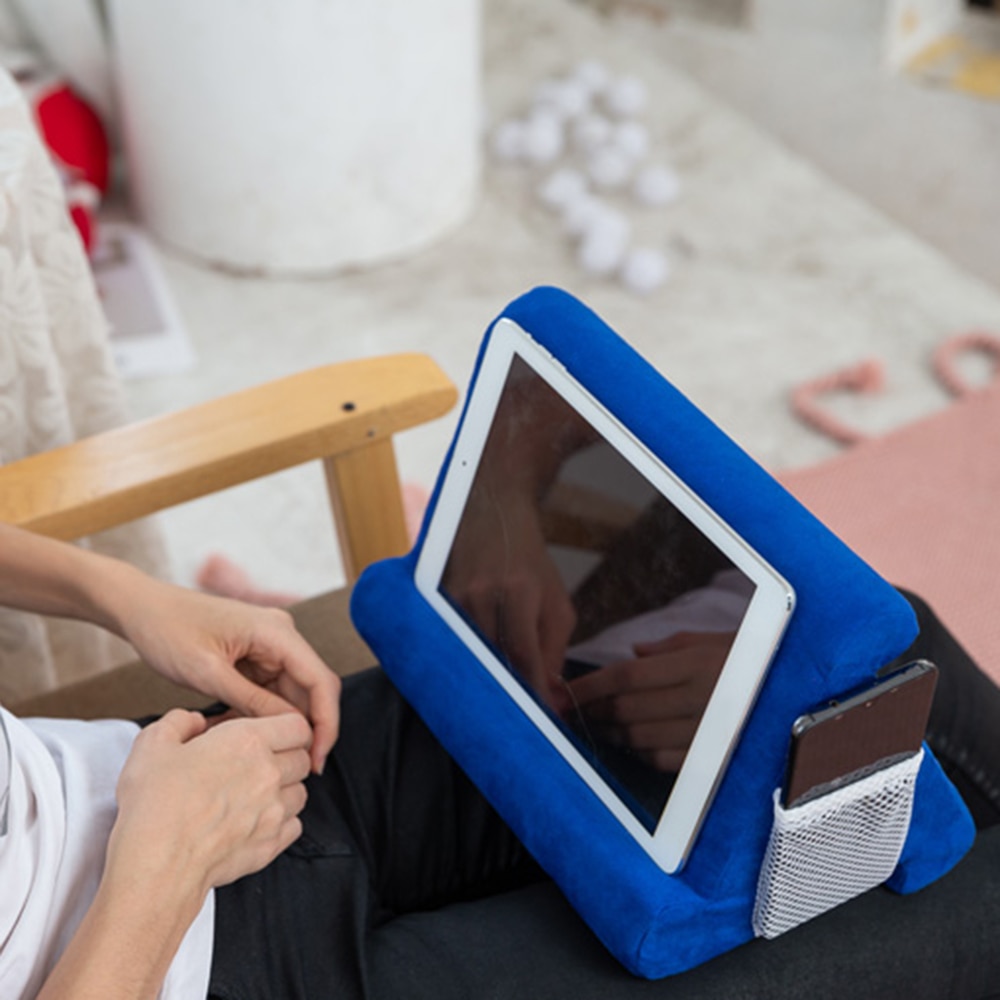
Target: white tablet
(628,621)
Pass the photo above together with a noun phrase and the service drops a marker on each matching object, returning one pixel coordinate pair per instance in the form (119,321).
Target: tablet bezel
(751,652)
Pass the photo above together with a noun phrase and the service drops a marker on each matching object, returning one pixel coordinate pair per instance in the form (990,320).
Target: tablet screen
(605,602)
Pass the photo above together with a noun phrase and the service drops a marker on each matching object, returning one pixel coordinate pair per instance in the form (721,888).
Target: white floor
(812,75)
(780,274)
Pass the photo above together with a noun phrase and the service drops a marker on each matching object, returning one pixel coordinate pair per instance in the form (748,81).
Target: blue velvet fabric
(848,622)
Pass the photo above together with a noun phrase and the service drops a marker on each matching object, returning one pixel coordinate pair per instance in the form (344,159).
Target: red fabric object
(74,135)
(78,145)
(83,219)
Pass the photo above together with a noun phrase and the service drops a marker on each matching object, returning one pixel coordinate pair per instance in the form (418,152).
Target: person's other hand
(251,658)
(202,807)
(502,575)
(654,702)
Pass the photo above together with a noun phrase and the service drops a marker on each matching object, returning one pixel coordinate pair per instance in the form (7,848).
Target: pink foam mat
(922,503)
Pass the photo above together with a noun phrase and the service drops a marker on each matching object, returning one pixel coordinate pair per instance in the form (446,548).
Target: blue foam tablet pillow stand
(848,623)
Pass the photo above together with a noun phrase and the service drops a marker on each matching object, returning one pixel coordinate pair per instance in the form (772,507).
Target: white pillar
(306,136)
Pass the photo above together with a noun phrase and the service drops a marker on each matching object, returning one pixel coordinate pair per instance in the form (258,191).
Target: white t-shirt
(59,777)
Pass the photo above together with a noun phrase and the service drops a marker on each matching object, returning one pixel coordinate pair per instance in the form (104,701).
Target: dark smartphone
(848,740)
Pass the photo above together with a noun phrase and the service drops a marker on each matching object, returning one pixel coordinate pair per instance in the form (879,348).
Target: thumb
(251,699)
(180,725)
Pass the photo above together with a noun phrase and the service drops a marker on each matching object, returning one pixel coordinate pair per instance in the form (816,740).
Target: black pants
(964,727)
(406,884)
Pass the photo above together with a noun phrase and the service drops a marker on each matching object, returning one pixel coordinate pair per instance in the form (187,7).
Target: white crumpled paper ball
(609,168)
(562,187)
(644,270)
(656,185)
(626,97)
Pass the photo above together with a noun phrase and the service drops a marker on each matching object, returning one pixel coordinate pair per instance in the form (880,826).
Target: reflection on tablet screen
(605,602)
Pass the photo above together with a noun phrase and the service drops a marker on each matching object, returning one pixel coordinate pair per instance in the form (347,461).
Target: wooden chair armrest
(343,414)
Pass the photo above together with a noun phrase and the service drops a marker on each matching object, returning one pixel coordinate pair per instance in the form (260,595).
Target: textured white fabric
(57,384)
(833,848)
(62,806)
(4,776)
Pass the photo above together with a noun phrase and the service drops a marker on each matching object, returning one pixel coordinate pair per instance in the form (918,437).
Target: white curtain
(57,384)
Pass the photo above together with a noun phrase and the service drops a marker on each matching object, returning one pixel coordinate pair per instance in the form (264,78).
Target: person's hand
(654,702)
(207,806)
(197,809)
(502,575)
(251,658)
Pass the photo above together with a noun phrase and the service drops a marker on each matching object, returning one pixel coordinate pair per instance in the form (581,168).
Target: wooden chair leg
(367,504)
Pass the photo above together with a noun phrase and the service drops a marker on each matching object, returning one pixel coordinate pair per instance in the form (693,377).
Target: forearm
(49,577)
(126,942)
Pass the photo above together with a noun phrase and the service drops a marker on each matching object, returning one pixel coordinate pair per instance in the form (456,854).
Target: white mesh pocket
(833,848)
